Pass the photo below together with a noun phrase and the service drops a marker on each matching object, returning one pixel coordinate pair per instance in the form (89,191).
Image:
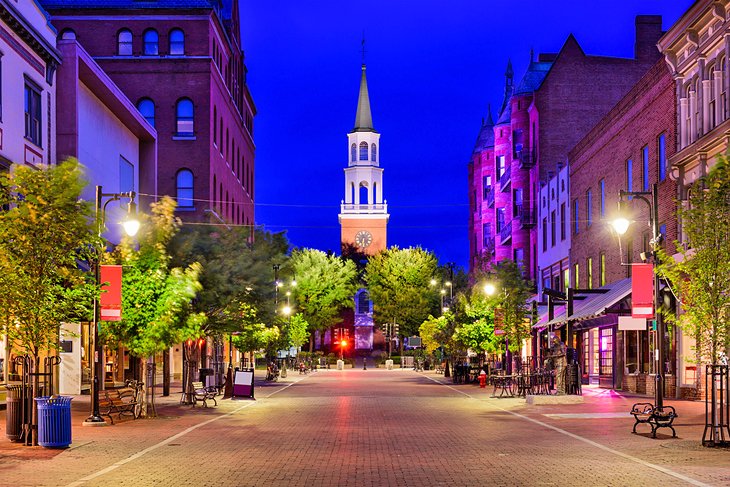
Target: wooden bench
(120,401)
(202,393)
(644,412)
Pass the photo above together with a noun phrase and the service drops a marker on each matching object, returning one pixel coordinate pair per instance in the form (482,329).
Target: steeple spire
(489,121)
(363,118)
(508,86)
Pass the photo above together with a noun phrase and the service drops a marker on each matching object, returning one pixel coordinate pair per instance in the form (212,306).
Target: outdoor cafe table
(504,384)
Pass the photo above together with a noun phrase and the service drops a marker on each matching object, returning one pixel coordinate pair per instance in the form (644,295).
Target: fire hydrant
(482,379)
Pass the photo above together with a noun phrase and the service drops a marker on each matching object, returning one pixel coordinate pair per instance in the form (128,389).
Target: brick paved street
(375,427)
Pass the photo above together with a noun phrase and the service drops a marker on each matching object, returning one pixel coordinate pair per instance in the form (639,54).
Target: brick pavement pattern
(375,427)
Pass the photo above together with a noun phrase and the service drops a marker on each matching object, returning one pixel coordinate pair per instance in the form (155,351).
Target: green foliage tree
(297,331)
(45,231)
(475,329)
(701,277)
(510,300)
(326,285)
(399,284)
(156,298)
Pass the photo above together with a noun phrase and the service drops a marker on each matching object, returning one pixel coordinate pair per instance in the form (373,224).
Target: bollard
(364,363)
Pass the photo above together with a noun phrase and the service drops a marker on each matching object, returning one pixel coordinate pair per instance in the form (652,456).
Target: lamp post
(621,225)
(131,227)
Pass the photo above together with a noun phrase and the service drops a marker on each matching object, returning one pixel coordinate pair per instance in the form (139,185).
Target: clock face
(363,238)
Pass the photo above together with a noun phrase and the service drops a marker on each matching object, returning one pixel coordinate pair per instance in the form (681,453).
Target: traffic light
(395,329)
(336,335)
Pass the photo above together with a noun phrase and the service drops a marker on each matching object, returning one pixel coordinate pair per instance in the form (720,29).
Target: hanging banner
(642,291)
(630,323)
(110,301)
(498,321)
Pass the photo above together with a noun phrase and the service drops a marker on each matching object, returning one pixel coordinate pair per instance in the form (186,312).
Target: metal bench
(202,393)
(644,412)
(119,401)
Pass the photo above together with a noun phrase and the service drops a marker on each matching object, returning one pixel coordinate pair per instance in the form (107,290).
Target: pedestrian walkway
(374,427)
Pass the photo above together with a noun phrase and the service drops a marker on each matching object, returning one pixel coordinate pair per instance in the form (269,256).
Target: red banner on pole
(110,301)
(498,321)
(642,291)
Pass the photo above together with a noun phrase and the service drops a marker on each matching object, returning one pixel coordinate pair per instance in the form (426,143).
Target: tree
(701,277)
(399,284)
(297,331)
(156,298)
(475,329)
(46,230)
(510,300)
(326,284)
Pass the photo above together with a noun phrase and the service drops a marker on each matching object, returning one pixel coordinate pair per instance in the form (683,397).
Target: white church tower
(364,212)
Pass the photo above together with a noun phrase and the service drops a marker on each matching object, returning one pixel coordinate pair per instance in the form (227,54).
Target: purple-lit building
(558,99)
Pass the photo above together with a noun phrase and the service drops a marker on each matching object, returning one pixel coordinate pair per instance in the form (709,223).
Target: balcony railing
(527,159)
(488,245)
(527,216)
(505,233)
(505,179)
(490,198)
(360,209)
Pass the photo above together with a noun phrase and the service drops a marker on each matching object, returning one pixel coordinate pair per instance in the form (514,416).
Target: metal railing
(490,198)
(505,179)
(527,216)
(505,233)
(527,159)
(348,208)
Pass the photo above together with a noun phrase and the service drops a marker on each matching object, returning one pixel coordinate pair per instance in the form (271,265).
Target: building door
(605,373)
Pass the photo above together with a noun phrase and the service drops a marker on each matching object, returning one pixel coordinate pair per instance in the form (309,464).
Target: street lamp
(131,227)
(621,226)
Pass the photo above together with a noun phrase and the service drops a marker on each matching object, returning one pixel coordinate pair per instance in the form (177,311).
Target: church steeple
(508,85)
(363,118)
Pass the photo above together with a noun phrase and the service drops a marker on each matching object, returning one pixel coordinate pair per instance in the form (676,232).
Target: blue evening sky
(433,67)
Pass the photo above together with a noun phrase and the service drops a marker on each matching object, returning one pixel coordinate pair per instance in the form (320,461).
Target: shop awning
(594,305)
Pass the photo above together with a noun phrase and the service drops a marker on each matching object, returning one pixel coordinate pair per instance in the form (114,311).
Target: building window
(373,153)
(645,168)
(589,272)
(215,125)
(501,166)
(553,225)
(662,154)
(576,215)
(603,269)
(663,231)
(353,152)
(184,181)
(576,275)
(126,175)
(500,219)
(486,235)
(184,117)
(589,208)
(363,151)
(629,175)
(177,42)
(124,43)
(544,235)
(562,221)
(486,186)
(33,118)
(603,198)
(147,108)
(566,279)
(151,43)
(519,257)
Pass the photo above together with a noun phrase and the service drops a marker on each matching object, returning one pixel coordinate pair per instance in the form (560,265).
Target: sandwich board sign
(243,383)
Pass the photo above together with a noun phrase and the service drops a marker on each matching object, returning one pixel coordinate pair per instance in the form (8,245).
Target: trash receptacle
(14,413)
(54,421)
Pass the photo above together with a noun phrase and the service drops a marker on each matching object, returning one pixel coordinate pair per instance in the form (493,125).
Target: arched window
(364,193)
(373,153)
(363,151)
(151,43)
(363,302)
(711,96)
(147,108)
(68,34)
(124,43)
(184,117)
(215,126)
(177,42)
(220,136)
(184,182)
(375,193)
(353,153)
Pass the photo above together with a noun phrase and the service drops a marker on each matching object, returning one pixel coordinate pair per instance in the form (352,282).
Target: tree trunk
(166,373)
(311,343)
(34,405)
(143,397)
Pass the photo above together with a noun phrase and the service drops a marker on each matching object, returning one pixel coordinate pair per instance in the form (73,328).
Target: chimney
(648,32)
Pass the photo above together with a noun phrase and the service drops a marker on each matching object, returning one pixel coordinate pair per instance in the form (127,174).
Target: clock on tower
(363,212)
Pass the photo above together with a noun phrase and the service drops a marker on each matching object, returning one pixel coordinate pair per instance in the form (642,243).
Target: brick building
(181,63)
(559,98)
(627,150)
(696,49)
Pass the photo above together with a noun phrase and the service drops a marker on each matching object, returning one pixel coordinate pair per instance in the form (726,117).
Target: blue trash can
(54,421)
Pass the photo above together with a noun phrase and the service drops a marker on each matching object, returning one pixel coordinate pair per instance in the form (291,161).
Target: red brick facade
(211,73)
